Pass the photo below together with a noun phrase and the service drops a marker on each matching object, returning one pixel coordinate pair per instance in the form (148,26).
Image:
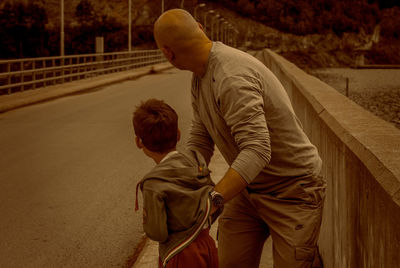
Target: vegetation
(31,29)
(303,17)
(93,23)
(22,30)
(27,32)
(323,33)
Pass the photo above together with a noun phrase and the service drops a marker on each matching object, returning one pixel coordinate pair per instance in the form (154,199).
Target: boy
(176,192)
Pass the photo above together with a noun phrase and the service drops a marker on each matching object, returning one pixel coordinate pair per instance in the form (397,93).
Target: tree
(85,12)
(23,31)
(390,24)
(385,3)
(92,23)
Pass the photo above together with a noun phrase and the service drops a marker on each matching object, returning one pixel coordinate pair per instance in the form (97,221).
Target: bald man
(273,185)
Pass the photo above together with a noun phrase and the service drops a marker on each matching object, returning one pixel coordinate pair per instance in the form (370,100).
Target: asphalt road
(68,171)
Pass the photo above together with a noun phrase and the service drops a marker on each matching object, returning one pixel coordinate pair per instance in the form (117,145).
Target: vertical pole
(86,69)
(22,75)
(220,30)
(62,29)
(34,74)
(62,69)
(44,72)
(130,26)
(61,42)
(53,64)
(212,29)
(236,37)
(9,77)
(162,6)
(195,9)
(217,35)
(205,23)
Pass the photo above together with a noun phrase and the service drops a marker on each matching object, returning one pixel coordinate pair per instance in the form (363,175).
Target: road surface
(68,171)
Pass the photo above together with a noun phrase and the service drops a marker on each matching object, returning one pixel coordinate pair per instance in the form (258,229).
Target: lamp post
(235,39)
(205,19)
(62,29)
(219,28)
(229,33)
(223,38)
(212,26)
(195,9)
(130,26)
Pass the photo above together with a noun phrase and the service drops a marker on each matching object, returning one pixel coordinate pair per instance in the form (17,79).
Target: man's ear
(178,136)
(169,54)
(201,26)
(139,143)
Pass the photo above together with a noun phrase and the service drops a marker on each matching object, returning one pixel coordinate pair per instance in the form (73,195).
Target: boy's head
(156,126)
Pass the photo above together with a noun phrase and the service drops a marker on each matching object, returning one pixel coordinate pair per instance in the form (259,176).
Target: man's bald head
(176,28)
(182,40)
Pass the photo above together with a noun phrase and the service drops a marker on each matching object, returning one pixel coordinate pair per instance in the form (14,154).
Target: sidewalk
(28,97)
(148,258)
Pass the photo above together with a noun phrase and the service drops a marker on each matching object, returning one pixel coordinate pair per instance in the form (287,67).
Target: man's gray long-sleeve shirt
(242,107)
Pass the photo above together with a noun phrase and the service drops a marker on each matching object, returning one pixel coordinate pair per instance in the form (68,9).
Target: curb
(148,257)
(29,97)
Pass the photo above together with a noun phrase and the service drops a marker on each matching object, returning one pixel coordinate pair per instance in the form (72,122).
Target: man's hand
(230,185)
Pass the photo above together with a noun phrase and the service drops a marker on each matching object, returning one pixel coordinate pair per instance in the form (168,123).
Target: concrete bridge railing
(361,155)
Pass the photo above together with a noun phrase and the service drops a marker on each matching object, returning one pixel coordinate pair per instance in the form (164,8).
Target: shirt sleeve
(199,138)
(154,216)
(242,105)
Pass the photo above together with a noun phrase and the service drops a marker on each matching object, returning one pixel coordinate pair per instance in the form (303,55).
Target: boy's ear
(139,143)
(178,135)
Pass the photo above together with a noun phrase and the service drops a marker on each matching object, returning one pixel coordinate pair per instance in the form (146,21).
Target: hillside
(326,33)
(323,48)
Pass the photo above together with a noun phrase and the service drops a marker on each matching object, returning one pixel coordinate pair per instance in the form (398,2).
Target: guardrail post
(114,63)
(9,78)
(53,63)
(44,73)
(100,51)
(22,75)
(62,69)
(34,74)
(84,61)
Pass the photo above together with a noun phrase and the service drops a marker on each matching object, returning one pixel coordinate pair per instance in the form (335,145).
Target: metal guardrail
(31,73)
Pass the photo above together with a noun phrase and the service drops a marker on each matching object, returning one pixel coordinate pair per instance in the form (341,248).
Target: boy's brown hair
(156,124)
